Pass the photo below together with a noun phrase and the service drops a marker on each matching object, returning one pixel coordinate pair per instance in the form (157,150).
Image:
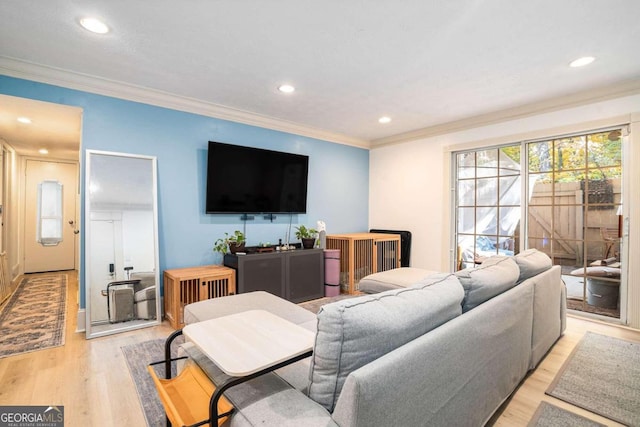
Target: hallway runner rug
(34,316)
(602,375)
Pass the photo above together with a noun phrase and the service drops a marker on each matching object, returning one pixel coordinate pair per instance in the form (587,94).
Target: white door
(102,250)
(44,254)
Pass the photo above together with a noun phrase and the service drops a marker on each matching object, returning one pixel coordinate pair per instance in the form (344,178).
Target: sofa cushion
(392,279)
(353,332)
(532,262)
(495,275)
(598,272)
(145,294)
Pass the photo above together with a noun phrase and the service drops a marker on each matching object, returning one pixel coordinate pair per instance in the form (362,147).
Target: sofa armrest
(549,312)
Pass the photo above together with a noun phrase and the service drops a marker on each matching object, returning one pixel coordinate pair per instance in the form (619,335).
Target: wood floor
(91,379)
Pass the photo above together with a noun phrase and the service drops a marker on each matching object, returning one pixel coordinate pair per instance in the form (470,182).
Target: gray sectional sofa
(446,350)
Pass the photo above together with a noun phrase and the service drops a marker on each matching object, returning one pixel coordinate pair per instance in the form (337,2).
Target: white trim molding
(627,88)
(72,80)
(81,320)
(44,74)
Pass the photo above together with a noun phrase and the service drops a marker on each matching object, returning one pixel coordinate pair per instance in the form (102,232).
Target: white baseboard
(81,320)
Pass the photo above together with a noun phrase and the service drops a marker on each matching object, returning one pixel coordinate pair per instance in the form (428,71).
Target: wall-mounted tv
(253,180)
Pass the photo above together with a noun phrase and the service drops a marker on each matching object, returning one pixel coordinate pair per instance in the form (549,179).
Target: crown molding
(629,87)
(72,80)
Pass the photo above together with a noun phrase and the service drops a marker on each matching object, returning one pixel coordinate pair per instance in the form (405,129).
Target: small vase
(308,243)
(235,247)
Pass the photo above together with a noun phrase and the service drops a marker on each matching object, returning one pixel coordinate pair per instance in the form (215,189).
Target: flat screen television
(253,180)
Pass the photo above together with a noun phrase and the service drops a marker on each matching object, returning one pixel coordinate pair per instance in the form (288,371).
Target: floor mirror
(122,286)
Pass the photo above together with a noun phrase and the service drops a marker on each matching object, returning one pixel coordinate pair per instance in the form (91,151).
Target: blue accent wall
(338,174)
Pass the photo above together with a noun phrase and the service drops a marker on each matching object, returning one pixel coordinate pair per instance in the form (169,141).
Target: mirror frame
(118,327)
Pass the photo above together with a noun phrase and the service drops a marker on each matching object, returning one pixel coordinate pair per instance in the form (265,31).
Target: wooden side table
(184,286)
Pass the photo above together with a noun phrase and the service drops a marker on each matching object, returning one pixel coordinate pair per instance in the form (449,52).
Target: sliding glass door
(572,215)
(487,204)
(564,195)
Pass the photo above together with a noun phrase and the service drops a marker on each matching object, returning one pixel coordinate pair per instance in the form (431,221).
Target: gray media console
(296,275)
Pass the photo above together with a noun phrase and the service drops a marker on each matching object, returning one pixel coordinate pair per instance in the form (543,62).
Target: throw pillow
(532,262)
(356,331)
(495,275)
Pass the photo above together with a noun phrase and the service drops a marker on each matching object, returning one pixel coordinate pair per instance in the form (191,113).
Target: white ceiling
(423,63)
(54,127)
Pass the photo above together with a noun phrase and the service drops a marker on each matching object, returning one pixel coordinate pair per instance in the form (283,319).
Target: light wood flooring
(91,379)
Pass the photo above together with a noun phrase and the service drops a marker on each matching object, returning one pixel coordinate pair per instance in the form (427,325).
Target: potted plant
(307,236)
(230,243)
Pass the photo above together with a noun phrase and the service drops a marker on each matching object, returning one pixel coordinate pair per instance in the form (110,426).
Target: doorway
(561,195)
(33,134)
(50,216)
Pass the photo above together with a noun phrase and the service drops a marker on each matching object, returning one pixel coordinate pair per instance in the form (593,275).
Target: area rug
(34,316)
(138,356)
(602,375)
(548,415)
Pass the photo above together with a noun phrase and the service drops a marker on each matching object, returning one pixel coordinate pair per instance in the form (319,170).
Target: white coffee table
(248,342)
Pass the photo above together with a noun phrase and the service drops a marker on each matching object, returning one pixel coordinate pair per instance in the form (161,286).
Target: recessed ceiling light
(43,151)
(25,120)
(286,88)
(384,119)
(581,62)
(94,25)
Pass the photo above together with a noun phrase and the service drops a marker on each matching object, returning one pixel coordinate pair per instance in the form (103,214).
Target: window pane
(540,156)
(466,192)
(598,193)
(51,199)
(568,222)
(510,190)
(510,160)
(541,188)
(466,165)
(50,229)
(509,220)
(486,246)
(465,251)
(488,203)
(487,192)
(49,215)
(487,220)
(543,245)
(506,245)
(605,149)
(487,163)
(539,223)
(466,220)
(567,252)
(570,153)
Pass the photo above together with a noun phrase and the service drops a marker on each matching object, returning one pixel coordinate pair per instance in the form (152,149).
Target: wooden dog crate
(183,286)
(362,254)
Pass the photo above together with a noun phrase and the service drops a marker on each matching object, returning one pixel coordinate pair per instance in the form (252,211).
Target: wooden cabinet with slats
(184,286)
(362,254)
